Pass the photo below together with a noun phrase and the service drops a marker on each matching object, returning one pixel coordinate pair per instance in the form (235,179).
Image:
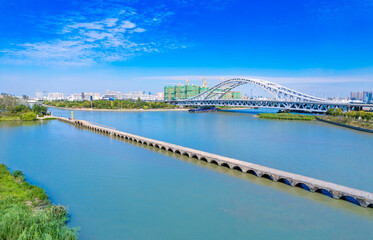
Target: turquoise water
(119,190)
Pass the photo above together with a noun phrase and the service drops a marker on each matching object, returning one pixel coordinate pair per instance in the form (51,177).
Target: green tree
(29,116)
(39,109)
(338,112)
(18,174)
(7,101)
(331,111)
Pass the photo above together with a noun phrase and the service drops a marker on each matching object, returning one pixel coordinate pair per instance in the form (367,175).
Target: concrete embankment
(361,198)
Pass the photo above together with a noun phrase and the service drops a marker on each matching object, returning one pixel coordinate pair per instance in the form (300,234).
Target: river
(115,189)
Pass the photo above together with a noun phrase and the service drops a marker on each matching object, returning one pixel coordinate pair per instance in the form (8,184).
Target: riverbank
(347,123)
(286,116)
(119,110)
(26,212)
(49,117)
(31,117)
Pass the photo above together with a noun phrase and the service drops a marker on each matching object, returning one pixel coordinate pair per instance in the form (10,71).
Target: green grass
(50,118)
(286,116)
(26,212)
(348,121)
(9,118)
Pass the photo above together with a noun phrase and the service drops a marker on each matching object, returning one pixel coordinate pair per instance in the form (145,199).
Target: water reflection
(262,181)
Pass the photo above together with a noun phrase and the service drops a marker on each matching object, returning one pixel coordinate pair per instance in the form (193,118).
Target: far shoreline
(117,110)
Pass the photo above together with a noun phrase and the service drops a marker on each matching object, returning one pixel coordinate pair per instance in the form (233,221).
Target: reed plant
(26,212)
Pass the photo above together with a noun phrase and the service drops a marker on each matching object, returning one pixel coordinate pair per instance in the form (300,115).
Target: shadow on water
(320,196)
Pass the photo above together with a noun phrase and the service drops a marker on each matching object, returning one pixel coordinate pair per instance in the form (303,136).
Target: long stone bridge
(361,198)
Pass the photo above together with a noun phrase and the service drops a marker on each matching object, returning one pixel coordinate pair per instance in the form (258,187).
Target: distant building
(160,96)
(353,95)
(365,96)
(142,95)
(109,97)
(75,97)
(87,96)
(179,92)
(118,95)
(55,96)
(96,96)
(40,95)
(360,96)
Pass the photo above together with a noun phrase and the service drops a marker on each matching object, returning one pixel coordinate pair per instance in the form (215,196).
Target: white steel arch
(278,91)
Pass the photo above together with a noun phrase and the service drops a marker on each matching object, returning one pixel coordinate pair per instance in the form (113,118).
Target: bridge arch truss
(277,91)
(285,98)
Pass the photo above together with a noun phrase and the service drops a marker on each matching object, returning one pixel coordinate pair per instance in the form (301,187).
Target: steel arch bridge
(279,92)
(285,98)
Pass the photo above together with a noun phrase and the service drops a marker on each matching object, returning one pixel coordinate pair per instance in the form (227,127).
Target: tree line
(115,104)
(12,109)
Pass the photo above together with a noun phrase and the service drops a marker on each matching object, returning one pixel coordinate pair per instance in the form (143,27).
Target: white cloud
(95,37)
(128,24)
(139,30)
(110,22)
(93,25)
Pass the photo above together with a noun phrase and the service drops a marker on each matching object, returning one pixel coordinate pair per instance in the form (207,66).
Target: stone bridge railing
(361,198)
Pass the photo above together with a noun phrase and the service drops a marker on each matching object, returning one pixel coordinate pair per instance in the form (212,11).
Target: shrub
(30,116)
(19,174)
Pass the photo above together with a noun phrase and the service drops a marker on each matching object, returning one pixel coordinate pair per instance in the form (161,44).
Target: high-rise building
(360,96)
(178,92)
(353,95)
(367,96)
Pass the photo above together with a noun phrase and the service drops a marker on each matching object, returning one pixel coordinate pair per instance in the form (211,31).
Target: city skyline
(316,47)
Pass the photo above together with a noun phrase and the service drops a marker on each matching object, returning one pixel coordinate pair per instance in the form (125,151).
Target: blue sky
(319,47)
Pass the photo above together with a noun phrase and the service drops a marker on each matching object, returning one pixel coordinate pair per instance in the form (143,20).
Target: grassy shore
(354,122)
(286,116)
(10,118)
(26,212)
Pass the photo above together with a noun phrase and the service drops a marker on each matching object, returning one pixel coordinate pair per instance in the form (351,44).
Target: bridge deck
(364,199)
(312,107)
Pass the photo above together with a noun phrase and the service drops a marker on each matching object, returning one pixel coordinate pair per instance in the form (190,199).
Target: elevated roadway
(311,107)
